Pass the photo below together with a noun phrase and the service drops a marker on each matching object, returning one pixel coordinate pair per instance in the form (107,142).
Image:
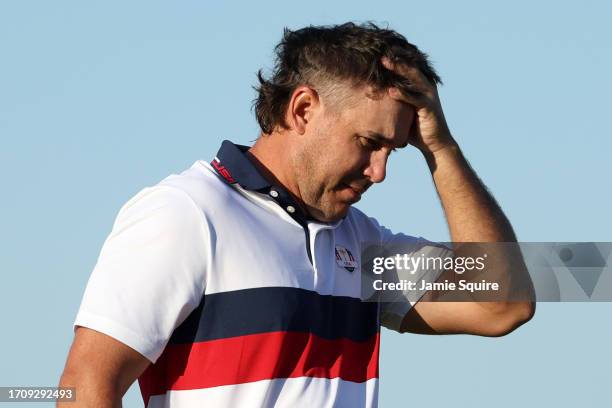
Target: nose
(376,170)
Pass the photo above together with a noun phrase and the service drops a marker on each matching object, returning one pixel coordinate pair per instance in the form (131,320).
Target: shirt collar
(235,167)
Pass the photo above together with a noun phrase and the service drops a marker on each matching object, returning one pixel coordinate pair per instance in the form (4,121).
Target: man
(235,283)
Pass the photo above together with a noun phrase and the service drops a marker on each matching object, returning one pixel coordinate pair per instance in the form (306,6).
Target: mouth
(353,192)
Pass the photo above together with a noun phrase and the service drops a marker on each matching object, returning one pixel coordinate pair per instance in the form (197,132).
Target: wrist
(448,152)
(442,146)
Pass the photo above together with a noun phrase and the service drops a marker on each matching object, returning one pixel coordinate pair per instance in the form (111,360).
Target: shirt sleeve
(394,311)
(151,272)
(380,242)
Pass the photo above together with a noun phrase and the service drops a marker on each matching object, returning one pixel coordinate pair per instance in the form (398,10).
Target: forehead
(371,111)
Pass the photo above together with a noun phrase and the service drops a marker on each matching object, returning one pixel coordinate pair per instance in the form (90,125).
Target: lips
(355,191)
(359,188)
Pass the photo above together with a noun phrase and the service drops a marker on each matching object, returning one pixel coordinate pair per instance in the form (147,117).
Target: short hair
(329,57)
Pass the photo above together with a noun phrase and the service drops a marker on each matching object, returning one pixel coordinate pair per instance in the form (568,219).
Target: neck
(271,154)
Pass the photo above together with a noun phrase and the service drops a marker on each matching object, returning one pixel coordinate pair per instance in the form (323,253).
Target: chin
(336,214)
(330,211)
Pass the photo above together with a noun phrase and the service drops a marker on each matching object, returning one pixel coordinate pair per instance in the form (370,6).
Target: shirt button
(291,209)
(274,193)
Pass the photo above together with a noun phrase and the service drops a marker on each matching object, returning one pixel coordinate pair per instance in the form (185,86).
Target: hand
(429,133)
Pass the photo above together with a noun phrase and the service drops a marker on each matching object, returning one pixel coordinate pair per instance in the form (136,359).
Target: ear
(303,106)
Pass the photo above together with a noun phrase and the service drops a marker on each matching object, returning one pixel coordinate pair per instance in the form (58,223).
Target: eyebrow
(384,140)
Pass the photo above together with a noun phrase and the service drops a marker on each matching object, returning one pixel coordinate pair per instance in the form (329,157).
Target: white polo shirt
(236,297)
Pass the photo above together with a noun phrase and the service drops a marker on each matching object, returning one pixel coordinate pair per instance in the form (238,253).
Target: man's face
(344,151)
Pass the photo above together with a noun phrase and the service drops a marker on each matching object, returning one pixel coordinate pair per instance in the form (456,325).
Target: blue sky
(100,99)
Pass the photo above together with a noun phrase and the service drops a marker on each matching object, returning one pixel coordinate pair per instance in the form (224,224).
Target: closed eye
(370,143)
(374,145)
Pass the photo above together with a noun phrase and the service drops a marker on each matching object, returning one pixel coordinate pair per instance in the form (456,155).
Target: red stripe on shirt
(256,357)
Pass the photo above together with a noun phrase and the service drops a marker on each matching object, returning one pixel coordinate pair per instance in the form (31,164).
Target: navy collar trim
(235,167)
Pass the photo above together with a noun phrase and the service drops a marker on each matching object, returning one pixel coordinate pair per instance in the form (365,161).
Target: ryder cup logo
(345,259)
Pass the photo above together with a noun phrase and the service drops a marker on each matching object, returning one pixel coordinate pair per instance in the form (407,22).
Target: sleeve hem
(126,336)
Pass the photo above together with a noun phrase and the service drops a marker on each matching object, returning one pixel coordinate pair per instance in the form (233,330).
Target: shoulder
(363,224)
(178,204)
(201,184)
(197,190)
(370,229)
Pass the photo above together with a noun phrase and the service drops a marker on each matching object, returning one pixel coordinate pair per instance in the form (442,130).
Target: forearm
(472,213)
(90,391)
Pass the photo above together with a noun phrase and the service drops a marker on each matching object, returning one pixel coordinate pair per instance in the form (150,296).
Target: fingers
(413,74)
(416,90)
(413,98)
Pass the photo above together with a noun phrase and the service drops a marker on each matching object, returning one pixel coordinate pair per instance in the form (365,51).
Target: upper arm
(100,367)
(494,312)
(413,311)
(479,318)
(150,275)
(151,272)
